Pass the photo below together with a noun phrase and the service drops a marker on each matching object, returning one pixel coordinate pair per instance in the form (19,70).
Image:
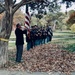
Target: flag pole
(27,17)
(26,8)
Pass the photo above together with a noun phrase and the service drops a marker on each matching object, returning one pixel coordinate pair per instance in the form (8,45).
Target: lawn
(12,40)
(63,38)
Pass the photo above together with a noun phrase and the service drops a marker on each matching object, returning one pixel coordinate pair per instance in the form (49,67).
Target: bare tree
(8,7)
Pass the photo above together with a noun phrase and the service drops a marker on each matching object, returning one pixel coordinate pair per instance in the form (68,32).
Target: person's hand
(22,28)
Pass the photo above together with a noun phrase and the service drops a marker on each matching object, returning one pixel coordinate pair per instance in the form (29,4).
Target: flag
(27,18)
(27,21)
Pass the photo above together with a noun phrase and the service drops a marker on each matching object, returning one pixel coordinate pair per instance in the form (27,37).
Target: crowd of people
(38,36)
(34,37)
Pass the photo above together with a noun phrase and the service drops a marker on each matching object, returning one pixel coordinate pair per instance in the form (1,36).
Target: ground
(58,55)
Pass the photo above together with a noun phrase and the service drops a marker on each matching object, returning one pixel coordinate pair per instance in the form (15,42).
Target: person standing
(49,34)
(28,40)
(19,42)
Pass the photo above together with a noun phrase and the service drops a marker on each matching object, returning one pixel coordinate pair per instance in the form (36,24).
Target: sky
(63,7)
(18,1)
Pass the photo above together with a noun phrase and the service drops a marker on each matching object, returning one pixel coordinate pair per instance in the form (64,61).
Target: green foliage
(64,27)
(19,17)
(33,21)
(68,3)
(73,28)
(43,21)
(51,5)
(39,16)
(71,12)
(68,0)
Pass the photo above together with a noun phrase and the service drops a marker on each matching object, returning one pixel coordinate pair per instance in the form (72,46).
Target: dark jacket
(44,34)
(28,37)
(19,36)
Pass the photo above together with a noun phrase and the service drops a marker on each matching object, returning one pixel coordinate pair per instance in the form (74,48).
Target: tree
(54,20)
(19,17)
(73,28)
(68,3)
(33,20)
(71,19)
(9,7)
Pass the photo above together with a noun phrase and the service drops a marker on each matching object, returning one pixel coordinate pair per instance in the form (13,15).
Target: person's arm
(25,31)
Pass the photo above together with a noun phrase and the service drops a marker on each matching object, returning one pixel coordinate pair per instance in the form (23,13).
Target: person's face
(19,26)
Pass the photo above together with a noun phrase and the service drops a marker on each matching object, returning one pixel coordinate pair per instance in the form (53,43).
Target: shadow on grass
(67,44)
(70,47)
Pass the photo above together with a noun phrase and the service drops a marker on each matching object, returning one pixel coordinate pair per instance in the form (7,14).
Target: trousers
(19,52)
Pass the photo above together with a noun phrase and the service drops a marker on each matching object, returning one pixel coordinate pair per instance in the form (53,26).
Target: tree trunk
(5,31)
(6,27)
(54,26)
(3,52)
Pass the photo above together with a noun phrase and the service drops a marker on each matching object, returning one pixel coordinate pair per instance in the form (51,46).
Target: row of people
(38,35)
(35,36)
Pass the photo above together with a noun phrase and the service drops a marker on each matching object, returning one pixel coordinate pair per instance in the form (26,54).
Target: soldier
(33,30)
(28,40)
(36,35)
(19,42)
(49,33)
(44,35)
(40,36)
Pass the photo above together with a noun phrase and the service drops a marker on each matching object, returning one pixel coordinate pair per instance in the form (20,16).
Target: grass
(12,40)
(11,44)
(65,39)
(70,47)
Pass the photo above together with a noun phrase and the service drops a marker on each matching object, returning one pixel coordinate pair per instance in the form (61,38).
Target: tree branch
(2,8)
(17,6)
(1,5)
